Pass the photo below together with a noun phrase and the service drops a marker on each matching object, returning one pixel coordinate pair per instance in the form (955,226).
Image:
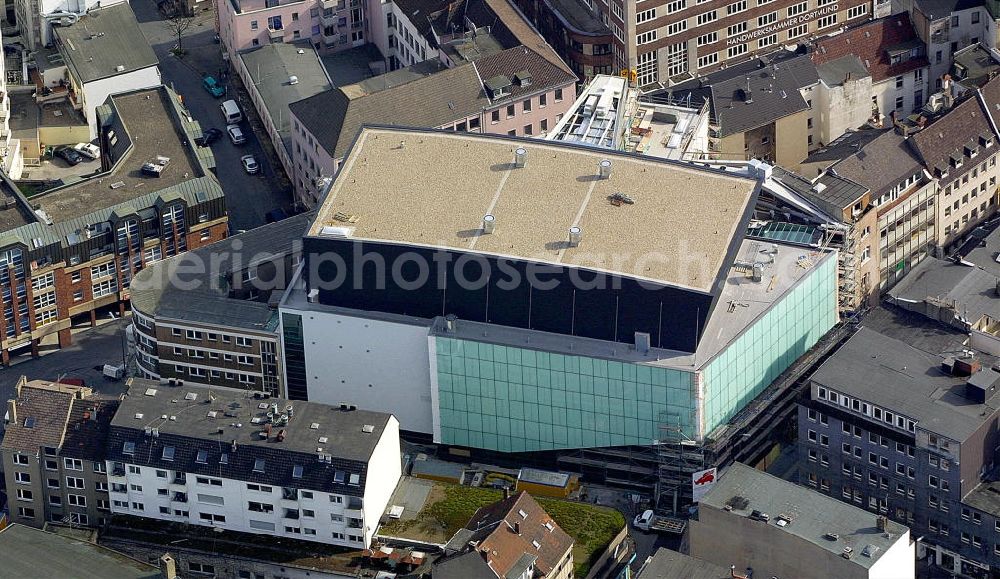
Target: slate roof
(59,416)
(910,382)
(947,137)
(881,164)
(813,514)
(837,71)
(421,12)
(774,82)
(667,564)
(509,529)
(871,42)
(157,289)
(974,65)
(943,8)
(103,40)
(211,420)
(271,68)
(28,552)
(334,117)
(463,566)
(972,290)
(843,146)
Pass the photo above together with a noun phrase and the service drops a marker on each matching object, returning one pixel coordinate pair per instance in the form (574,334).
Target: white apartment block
(253,464)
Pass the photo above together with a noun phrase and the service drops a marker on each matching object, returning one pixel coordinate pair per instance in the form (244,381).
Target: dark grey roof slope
(836,72)
(210,420)
(813,514)
(831,193)
(667,564)
(576,16)
(881,164)
(773,81)
(159,290)
(943,8)
(27,552)
(843,146)
(103,40)
(272,66)
(970,289)
(910,381)
(544,74)
(986,253)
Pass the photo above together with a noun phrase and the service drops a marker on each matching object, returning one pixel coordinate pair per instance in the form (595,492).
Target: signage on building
(786,23)
(701,481)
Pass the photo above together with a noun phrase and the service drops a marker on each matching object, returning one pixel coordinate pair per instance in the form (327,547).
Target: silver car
(250,164)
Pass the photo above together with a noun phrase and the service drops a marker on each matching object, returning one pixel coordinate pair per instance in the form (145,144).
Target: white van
(231,112)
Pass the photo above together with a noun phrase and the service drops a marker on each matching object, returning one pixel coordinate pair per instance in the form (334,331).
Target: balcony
(329,18)
(179,497)
(276,35)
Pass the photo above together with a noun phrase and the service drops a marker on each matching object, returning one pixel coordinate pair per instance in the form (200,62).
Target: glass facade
(295,357)
(785,332)
(512,399)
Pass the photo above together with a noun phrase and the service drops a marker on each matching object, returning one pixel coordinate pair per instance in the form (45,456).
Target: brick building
(69,254)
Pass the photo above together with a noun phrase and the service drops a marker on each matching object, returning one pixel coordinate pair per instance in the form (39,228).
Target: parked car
(68,154)
(213,87)
(250,164)
(208,137)
(236,134)
(89,150)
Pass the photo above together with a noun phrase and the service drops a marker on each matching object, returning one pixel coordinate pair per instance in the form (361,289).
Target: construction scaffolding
(679,456)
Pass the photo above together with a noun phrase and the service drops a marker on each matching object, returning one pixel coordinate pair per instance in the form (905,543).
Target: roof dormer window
(498,86)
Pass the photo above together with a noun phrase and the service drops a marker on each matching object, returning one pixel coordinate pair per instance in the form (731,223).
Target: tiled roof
(544,74)
(87,429)
(511,528)
(871,42)
(43,411)
(882,163)
(953,137)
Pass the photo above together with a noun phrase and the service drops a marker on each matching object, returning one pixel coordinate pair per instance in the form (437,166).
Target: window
(21,459)
(645,16)
(826,21)
(676,6)
(769,18)
(73,464)
(211,517)
(710,38)
(736,8)
(202,568)
(74,482)
(767,41)
(796,9)
(647,37)
(707,17)
(559,94)
(76,500)
(736,29)
(857,11)
(22,478)
(25,495)
(737,50)
(708,59)
(797,31)
(132,469)
(526,105)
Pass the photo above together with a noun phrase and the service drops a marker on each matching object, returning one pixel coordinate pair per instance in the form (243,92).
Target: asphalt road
(248,197)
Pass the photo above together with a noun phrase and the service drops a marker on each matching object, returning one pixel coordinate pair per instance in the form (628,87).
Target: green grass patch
(449,508)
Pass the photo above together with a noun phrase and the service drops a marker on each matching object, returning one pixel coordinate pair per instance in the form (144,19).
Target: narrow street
(249,197)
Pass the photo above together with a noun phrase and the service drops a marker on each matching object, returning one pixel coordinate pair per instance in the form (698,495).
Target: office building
(70,253)
(217,328)
(53,454)
(573,367)
(773,528)
(252,463)
(918,447)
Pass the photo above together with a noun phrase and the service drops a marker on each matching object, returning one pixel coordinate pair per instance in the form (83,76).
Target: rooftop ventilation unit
(575,236)
(642,342)
(604,168)
(293,79)
(520,157)
(489,223)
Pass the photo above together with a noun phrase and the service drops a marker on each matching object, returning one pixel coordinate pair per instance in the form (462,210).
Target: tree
(178,25)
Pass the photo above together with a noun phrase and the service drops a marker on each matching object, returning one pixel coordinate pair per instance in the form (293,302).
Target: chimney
(168,567)
(12,410)
(517,527)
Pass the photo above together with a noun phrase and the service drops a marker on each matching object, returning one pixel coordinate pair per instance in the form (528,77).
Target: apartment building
(516,91)
(35,20)
(11,157)
(104,53)
(330,26)
(959,149)
(53,454)
(576,33)
(920,447)
(513,537)
(947,26)
(218,328)
(756,521)
(252,463)
(603,387)
(895,58)
(71,252)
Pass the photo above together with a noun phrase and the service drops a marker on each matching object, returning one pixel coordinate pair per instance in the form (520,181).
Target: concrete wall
(838,109)
(374,364)
(309,161)
(69,135)
(384,470)
(886,94)
(791,138)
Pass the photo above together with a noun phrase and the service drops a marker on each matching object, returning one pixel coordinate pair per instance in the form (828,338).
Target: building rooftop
(208,415)
(984,252)
(105,42)
(667,564)
(813,515)
(422,13)
(513,534)
(936,9)
(875,43)
(773,81)
(971,291)
(839,70)
(152,125)
(923,333)
(911,382)
(975,65)
(830,192)
(60,416)
(273,67)
(395,182)
(30,552)
(195,286)
(843,146)
(881,164)
(15,211)
(507,24)
(948,146)
(578,17)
